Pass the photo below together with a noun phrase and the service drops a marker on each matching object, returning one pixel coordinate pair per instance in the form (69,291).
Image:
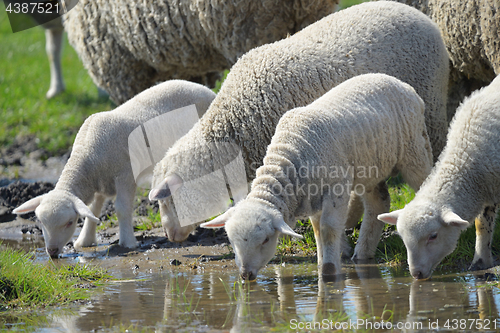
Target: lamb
(351,139)
(470,30)
(464,183)
(266,82)
(101,166)
(128,46)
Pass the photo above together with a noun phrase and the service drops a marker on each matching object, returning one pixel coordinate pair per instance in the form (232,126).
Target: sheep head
(253,229)
(162,193)
(429,234)
(58,212)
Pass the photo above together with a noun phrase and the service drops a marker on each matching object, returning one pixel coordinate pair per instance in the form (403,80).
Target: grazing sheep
(100,166)
(266,82)
(470,31)
(464,183)
(351,139)
(128,46)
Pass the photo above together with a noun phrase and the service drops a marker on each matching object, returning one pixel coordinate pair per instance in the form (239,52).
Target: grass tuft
(25,284)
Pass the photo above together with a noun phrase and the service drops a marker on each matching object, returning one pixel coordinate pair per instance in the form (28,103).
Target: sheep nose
(418,275)
(248,276)
(53,252)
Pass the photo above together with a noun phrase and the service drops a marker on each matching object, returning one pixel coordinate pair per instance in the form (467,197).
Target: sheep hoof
(52,92)
(328,269)
(79,244)
(479,265)
(129,244)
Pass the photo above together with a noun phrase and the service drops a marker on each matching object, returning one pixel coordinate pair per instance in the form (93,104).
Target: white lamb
(352,138)
(100,167)
(378,37)
(464,183)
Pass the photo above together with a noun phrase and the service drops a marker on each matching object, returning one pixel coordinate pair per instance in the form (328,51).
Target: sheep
(101,166)
(266,82)
(351,139)
(470,30)
(464,183)
(128,46)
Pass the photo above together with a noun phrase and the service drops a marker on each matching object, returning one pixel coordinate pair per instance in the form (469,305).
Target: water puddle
(151,294)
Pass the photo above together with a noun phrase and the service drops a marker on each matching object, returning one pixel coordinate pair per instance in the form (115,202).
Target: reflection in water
(290,297)
(19,241)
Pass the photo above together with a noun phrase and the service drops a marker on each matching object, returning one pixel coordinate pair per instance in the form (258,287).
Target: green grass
(348,3)
(152,221)
(24,80)
(25,284)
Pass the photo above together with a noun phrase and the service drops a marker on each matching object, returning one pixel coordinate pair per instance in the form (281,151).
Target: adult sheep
(101,166)
(352,138)
(372,37)
(463,186)
(128,46)
(470,31)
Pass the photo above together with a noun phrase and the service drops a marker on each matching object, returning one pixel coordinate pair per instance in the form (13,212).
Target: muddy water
(204,294)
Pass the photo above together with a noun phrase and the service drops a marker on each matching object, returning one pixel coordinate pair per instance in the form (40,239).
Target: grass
(24,80)
(25,284)
(153,220)
(348,3)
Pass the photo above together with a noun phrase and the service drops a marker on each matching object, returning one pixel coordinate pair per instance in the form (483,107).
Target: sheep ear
(29,205)
(84,211)
(166,188)
(453,219)
(219,221)
(390,218)
(284,228)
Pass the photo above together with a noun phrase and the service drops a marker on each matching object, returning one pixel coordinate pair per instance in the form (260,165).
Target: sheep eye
(433,236)
(266,240)
(69,224)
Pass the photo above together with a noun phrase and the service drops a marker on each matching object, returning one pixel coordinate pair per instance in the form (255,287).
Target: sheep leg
(331,230)
(124,206)
(355,211)
(485,224)
(315,221)
(53,46)
(376,201)
(88,235)
(354,214)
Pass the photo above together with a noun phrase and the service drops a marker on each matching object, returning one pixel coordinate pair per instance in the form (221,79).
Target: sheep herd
(319,120)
